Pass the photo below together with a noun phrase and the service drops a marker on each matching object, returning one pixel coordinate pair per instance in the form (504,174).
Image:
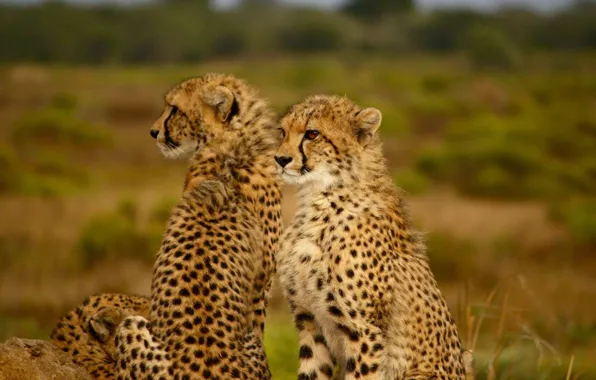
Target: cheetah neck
(238,157)
(368,175)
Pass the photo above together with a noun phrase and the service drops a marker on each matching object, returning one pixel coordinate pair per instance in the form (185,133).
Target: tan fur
(215,265)
(353,268)
(231,133)
(87,331)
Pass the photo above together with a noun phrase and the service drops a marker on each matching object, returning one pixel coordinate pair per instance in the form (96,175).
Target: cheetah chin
(177,152)
(315,177)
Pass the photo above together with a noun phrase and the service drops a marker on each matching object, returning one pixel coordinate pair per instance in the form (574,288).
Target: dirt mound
(36,360)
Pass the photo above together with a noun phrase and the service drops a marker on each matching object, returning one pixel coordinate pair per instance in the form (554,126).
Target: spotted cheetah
(215,265)
(87,331)
(177,137)
(354,270)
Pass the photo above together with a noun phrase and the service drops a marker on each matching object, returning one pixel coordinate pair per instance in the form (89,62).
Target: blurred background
(489,125)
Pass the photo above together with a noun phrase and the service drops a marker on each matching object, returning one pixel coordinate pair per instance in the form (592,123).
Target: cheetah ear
(103,324)
(100,329)
(368,122)
(223,101)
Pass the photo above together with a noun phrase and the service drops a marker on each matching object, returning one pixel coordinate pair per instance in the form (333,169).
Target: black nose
(283,161)
(154,133)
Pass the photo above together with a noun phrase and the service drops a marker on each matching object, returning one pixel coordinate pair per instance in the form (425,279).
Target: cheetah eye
(282,132)
(311,134)
(177,111)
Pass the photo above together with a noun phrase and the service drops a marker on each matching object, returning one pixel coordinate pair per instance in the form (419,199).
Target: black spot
(364,369)
(326,370)
(335,311)
(305,352)
(351,365)
(352,335)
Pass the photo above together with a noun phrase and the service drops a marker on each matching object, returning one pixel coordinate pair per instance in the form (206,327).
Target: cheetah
(87,331)
(215,265)
(352,267)
(177,137)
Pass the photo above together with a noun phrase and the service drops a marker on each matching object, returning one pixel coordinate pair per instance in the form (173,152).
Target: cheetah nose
(154,133)
(283,160)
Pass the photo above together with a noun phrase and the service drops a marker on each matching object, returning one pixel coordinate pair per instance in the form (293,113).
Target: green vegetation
(281,346)
(8,169)
(41,162)
(189,31)
(21,327)
(490,47)
(412,182)
(47,173)
(58,126)
(531,154)
(117,236)
(578,216)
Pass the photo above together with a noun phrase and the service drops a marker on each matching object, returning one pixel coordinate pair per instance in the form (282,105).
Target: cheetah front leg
(359,343)
(315,359)
(254,352)
(363,350)
(138,354)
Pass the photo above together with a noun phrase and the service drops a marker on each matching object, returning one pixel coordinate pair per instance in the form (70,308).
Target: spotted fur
(215,265)
(87,331)
(353,268)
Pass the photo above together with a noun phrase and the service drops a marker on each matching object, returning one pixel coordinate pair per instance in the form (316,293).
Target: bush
(59,127)
(53,164)
(64,101)
(412,181)
(488,168)
(11,326)
(162,210)
(442,30)
(32,184)
(515,157)
(115,236)
(229,43)
(487,46)
(47,174)
(310,33)
(578,216)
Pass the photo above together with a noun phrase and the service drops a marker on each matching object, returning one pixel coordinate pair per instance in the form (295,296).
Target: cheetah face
(195,111)
(323,139)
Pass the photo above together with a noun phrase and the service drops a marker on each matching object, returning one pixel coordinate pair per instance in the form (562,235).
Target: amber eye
(311,134)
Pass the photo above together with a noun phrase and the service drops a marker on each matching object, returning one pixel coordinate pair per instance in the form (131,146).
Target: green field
(499,166)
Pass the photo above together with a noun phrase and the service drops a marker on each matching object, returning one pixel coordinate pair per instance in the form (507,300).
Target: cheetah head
(195,111)
(324,139)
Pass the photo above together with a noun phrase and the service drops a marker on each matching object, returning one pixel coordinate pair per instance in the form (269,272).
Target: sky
(544,5)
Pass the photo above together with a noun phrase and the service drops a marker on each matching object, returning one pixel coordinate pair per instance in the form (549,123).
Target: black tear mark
(166,130)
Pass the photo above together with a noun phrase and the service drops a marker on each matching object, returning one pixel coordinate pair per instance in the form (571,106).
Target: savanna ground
(500,170)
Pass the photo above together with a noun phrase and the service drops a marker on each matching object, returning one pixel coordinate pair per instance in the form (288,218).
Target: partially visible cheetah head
(324,139)
(197,110)
(87,331)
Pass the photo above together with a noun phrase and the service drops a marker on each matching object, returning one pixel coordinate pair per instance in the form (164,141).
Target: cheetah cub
(354,270)
(215,265)
(87,331)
